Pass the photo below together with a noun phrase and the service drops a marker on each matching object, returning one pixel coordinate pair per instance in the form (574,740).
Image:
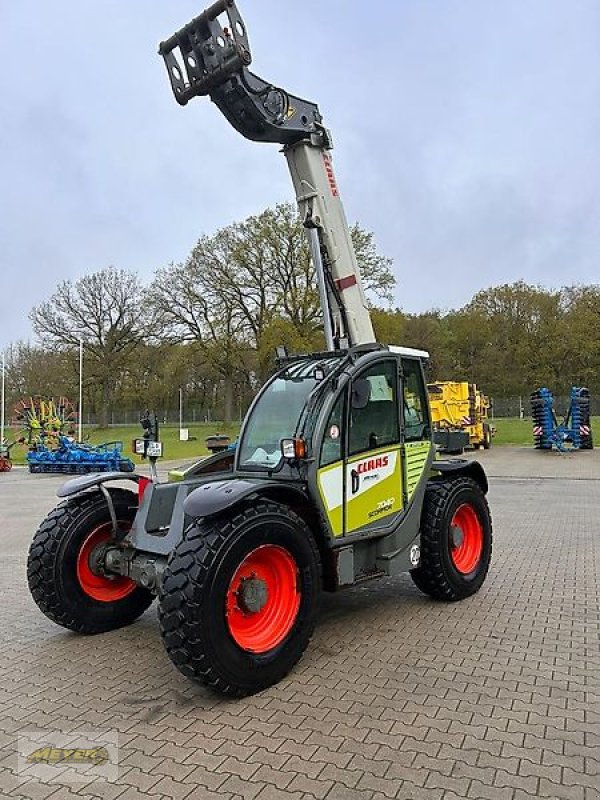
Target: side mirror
(361,393)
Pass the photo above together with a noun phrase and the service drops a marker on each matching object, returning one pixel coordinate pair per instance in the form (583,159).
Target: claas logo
(69,755)
(373,463)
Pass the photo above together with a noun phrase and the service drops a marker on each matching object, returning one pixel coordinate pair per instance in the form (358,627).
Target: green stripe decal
(417,454)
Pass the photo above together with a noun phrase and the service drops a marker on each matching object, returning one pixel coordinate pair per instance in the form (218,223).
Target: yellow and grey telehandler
(333,481)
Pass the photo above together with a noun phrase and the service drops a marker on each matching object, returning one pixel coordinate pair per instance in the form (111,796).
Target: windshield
(275,417)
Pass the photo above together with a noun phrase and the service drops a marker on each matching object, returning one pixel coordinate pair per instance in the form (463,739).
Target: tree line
(210,325)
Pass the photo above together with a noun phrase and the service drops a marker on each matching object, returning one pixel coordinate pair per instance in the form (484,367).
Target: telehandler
(333,481)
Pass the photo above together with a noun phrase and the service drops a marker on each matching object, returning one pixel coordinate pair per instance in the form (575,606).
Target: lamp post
(2,400)
(80,434)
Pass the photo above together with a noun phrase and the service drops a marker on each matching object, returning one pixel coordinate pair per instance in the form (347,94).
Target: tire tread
(186,572)
(43,555)
(431,577)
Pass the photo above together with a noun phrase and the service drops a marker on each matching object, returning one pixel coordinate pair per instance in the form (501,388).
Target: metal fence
(502,407)
(191,416)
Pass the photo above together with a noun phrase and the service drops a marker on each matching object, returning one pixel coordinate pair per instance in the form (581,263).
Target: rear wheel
(456,540)
(239,599)
(60,569)
(487,437)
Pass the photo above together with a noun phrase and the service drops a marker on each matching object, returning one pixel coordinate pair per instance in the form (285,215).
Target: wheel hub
(92,580)
(263,600)
(465,539)
(97,558)
(457,536)
(252,595)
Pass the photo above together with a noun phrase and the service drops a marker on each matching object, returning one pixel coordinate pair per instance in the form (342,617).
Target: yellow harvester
(459,412)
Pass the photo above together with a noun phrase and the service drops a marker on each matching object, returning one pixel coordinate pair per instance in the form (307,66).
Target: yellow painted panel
(379,493)
(331,488)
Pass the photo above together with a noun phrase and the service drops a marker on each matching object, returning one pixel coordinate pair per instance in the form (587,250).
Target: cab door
(376,448)
(373,472)
(416,424)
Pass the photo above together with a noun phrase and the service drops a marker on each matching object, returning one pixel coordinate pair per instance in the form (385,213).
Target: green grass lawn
(514,431)
(509,431)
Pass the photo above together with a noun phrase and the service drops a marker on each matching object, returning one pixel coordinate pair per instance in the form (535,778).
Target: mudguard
(463,466)
(219,462)
(78,485)
(212,498)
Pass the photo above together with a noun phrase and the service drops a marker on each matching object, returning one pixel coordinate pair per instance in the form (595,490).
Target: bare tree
(104,310)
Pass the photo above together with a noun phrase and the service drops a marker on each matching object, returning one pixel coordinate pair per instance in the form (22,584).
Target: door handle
(355,481)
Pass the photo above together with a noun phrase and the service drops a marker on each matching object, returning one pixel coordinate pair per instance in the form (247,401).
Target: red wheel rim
(466,539)
(100,587)
(263,599)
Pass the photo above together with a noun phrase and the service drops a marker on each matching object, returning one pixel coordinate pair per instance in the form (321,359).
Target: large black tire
(197,588)
(52,565)
(438,575)
(487,437)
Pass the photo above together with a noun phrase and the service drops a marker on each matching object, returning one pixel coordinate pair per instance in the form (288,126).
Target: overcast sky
(467,138)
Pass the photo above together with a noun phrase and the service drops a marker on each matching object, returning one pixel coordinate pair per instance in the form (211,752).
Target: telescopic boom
(210,57)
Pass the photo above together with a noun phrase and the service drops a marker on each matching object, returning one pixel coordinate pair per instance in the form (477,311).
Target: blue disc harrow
(575,430)
(74,458)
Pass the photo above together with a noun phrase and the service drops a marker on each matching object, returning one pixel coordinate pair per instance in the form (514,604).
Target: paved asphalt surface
(396,697)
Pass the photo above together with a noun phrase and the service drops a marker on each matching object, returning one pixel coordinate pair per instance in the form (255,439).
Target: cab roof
(408,351)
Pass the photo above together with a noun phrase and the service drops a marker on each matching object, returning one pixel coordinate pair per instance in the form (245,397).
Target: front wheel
(60,572)
(456,540)
(239,598)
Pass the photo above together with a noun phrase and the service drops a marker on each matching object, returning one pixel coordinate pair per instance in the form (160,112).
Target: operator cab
(362,418)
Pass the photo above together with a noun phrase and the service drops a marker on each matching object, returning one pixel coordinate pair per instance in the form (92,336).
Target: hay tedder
(38,419)
(333,481)
(46,428)
(574,432)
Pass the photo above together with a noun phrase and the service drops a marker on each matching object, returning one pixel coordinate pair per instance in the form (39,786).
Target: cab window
(414,402)
(373,409)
